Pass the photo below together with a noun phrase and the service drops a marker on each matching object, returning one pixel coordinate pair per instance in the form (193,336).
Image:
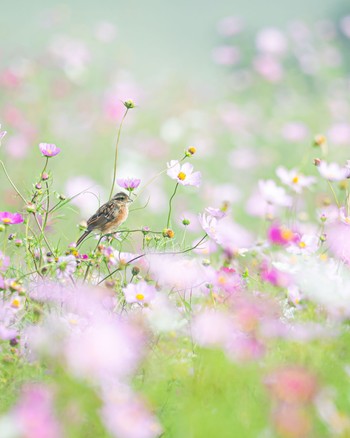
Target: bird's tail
(82,237)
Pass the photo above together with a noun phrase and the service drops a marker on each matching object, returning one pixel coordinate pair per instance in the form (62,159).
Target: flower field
(174,259)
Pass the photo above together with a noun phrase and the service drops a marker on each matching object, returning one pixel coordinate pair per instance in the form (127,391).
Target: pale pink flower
(4,261)
(273,194)
(212,328)
(343,216)
(332,171)
(269,68)
(49,149)
(66,266)
(294,179)
(130,417)
(33,414)
(141,292)
(184,174)
(307,245)
(339,134)
(230,26)
(295,131)
(129,184)
(216,212)
(226,55)
(272,41)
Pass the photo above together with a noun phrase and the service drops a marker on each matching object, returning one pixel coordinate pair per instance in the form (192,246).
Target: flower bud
(135,270)
(167,232)
(319,140)
(129,104)
(12,236)
(30,207)
(38,186)
(62,197)
(13,342)
(186,222)
(18,242)
(323,237)
(190,151)
(145,230)
(2,227)
(45,176)
(317,162)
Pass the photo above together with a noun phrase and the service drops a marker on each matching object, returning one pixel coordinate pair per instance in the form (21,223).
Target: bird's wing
(102,216)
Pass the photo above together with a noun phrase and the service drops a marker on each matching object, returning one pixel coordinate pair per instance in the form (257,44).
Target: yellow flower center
(140,297)
(192,150)
(221,279)
(16,303)
(181,176)
(287,234)
(302,245)
(323,257)
(6,220)
(295,180)
(347,219)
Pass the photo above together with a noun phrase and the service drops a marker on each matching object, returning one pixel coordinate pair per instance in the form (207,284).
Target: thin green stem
(12,183)
(116,154)
(170,201)
(334,194)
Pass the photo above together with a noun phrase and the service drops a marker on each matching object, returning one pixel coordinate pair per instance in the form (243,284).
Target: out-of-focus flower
(280,235)
(141,292)
(274,276)
(227,280)
(332,171)
(129,184)
(308,244)
(4,262)
(292,384)
(184,174)
(271,41)
(105,32)
(66,266)
(129,417)
(273,194)
(291,421)
(293,179)
(216,212)
(32,416)
(345,25)
(269,68)
(49,149)
(10,218)
(339,134)
(343,216)
(230,26)
(212,328)
(226,55)
(295,131)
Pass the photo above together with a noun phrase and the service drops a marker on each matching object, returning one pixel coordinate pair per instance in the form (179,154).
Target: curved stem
(116,154)
(12,183)
(170,201)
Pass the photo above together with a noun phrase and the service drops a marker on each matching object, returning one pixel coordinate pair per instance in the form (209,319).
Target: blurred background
(249,85)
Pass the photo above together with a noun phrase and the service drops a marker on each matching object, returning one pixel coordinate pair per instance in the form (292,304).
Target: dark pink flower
(128,183)
(280,235)
(8,218)
(49,149)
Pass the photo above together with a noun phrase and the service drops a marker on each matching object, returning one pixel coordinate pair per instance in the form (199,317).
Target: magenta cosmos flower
(129,184)
(10,218)
(184,174)
(49,149)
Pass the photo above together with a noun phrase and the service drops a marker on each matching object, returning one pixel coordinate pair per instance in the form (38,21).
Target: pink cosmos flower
(184,174)
(66,266)
(49,149)
(269,68)
(33,415)
(272,275)
(280,235)
(293,179)
(141,292)
(128,183)
(227,280)
(10,218)
(212,328)
(295,131)
(273,194)
(332,171)
(216,212)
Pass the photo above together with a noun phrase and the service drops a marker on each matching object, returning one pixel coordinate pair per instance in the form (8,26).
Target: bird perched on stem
(109,216)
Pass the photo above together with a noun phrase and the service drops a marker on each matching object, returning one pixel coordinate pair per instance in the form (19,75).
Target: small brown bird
(109,216)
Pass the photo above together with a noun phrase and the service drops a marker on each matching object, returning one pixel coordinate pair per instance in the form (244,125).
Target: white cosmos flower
(184,174)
